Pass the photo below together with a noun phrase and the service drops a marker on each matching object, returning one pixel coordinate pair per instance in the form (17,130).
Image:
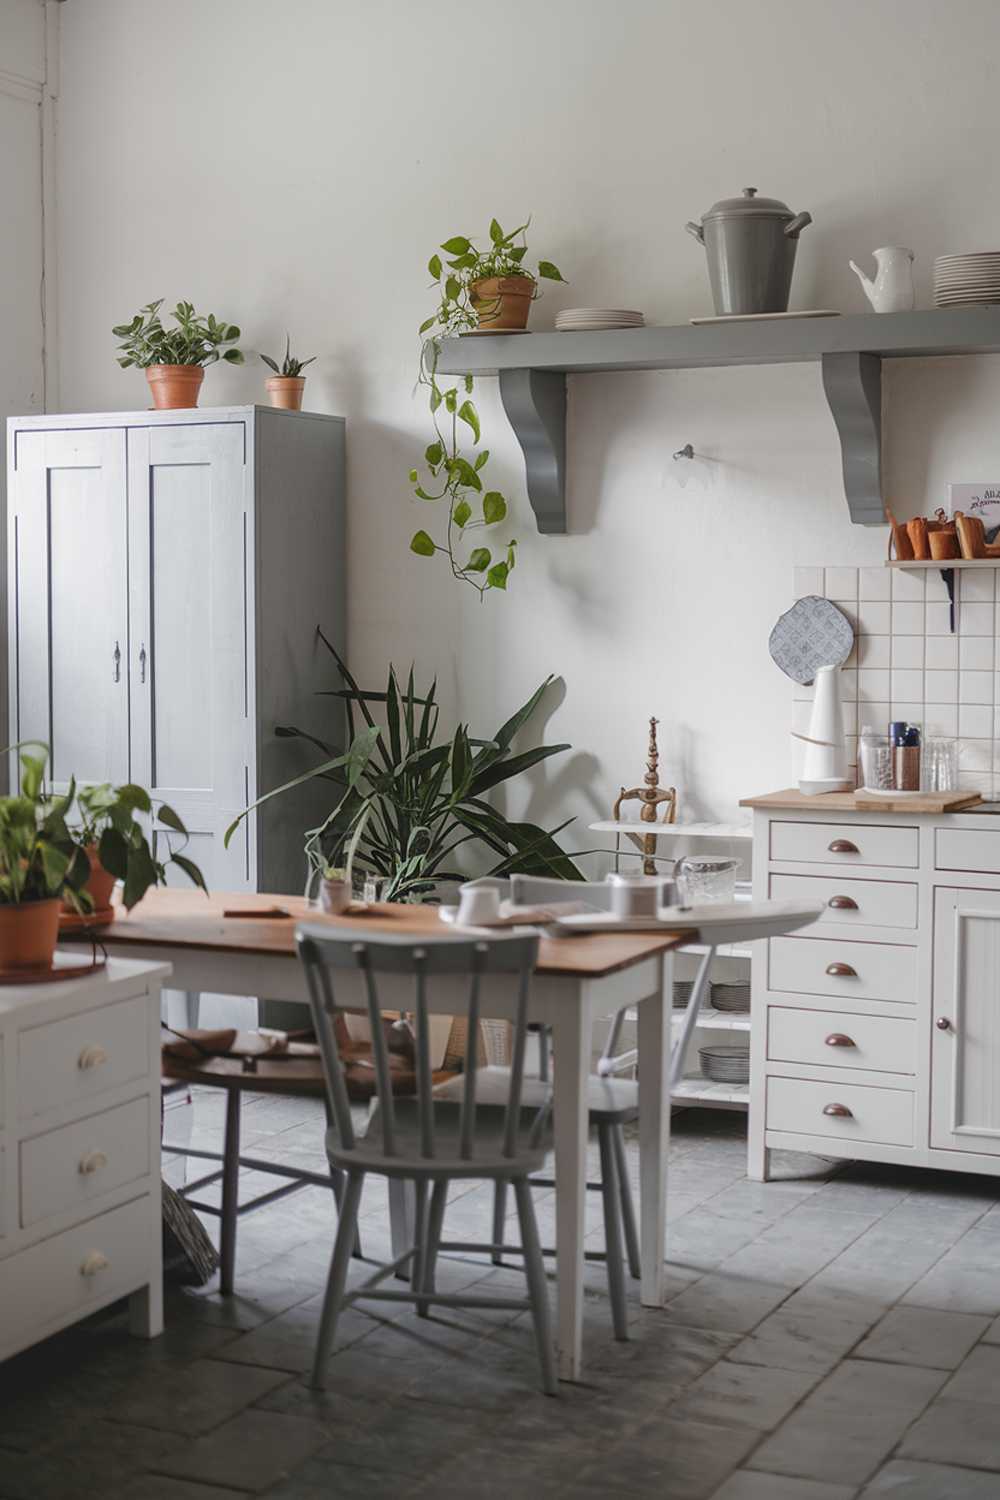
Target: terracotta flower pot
(100,884)
(174,386)
(286,391)
(28,934)
(502,301)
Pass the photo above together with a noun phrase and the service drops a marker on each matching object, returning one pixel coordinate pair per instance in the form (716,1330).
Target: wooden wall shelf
(944,563)
(532,371)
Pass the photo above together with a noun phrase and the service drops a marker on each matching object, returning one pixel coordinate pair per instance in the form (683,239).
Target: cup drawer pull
(91,1057)
(838,1039)
(841,971)
(842,903)
(843,846)
(94,1262)
(839,1111)
(92,1162)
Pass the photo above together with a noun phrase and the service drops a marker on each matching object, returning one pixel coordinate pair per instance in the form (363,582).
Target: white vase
(892,289)
(825,766)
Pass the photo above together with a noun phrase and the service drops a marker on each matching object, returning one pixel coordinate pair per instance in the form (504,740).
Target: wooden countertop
(187,919)
(928,802)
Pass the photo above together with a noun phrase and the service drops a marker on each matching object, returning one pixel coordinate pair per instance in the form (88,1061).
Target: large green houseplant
(174,358)
(489,289)
(42,864)
(405,800)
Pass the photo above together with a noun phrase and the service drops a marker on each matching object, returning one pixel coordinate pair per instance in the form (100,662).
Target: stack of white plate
(577,319)
(961,280)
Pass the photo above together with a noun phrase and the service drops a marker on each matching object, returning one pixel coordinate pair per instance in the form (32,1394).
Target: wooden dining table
(579,980)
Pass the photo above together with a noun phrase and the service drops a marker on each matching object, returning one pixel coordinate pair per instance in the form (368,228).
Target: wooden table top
(928,802)
(187,919)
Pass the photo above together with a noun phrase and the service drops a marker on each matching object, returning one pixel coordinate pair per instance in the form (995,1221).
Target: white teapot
(892,289)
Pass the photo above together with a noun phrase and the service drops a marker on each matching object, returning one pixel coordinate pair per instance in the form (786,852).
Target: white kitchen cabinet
(167,572)
(965,1059)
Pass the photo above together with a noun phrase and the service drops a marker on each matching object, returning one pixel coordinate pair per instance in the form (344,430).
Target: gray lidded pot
(750,243)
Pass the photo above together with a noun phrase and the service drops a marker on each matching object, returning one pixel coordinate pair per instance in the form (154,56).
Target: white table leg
(571,1066)
(654,1133)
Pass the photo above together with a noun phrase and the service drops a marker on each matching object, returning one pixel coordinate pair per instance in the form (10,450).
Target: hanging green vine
(457,479)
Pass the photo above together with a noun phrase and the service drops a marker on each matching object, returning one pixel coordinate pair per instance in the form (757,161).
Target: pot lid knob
(749,192)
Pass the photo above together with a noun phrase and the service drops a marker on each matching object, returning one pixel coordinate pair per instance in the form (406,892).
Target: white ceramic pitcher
(892,289)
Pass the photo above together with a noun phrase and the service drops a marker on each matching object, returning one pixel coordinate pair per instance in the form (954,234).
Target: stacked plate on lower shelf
(588,319)
(725,1064)
(964,280)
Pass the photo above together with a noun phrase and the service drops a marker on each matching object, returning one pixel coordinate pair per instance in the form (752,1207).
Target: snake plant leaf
(500,771)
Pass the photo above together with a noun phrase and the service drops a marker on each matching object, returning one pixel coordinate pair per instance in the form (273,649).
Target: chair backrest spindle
(425,1082)
(468,1116)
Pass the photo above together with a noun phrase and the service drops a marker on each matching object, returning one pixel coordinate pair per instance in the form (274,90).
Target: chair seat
(612,1101)
(487,1160)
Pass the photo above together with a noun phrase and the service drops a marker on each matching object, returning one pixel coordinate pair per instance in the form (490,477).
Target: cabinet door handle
(93,1262)
(842,903)
(91,1057)
(839,1111)
(942,1023)
(142,662)
(838,1039)
(843,846)
(841,971)
(91,1163)
(116,659)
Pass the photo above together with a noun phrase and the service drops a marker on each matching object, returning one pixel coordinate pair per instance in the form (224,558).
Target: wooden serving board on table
(920,802)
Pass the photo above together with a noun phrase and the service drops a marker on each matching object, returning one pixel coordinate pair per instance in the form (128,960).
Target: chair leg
(538,1290)
(230,1193)
(612,1233)
(420,1241)
(629,1223)
(336,1281)
(338,1178)
(499,1220)
(439,1200)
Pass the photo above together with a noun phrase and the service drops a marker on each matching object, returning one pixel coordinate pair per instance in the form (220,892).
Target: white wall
(294,165)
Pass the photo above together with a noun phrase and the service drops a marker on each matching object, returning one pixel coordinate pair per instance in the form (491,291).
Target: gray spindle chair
(412,1138)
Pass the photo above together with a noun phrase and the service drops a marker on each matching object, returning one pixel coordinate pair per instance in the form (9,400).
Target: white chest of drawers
(875,1033)
(80,1151)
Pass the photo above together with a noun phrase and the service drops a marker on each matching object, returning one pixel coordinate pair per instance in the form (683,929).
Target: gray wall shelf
(532,370)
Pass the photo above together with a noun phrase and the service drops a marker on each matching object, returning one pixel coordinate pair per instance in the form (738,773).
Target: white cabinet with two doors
(876,1032)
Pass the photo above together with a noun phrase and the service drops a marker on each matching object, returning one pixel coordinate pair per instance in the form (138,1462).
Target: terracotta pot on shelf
(285,391)
(174,387)
(28,935)
(502,302)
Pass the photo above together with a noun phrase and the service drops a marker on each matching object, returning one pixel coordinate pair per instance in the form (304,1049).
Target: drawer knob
(942,1023)
(841,971)
(94,1262)
(838,1039)
(839,1111)
(843,846)
(842,903)
(92,1162)
(91,1057)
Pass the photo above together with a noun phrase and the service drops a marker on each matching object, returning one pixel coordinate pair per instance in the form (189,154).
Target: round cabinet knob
(91,1057)
(841,971)
(839,1111)
(942,1023)
(843,846)
(842,903)
(94,1262)
(838,1039)
(91,1163)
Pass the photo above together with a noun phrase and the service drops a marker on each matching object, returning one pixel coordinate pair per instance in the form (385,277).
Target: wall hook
(686,452)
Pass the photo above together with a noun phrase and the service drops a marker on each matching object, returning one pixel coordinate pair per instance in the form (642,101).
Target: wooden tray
(64,966)
(74,921)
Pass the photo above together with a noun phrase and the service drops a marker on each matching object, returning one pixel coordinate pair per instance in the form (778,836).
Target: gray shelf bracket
(535,403)
(853,386)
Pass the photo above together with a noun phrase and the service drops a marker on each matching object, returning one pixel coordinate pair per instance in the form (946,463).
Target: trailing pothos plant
(108,819)
(456,476)
(406,799)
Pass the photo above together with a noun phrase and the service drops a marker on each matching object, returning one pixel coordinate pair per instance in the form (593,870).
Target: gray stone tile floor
(831,1335)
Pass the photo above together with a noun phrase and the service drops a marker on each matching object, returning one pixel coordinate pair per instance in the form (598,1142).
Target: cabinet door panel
(191,741)
(69,601)
(965,1086)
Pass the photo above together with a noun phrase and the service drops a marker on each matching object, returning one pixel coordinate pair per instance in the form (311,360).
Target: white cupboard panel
(965,1080)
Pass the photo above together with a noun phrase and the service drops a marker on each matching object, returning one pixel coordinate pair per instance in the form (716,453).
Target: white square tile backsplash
(907,664)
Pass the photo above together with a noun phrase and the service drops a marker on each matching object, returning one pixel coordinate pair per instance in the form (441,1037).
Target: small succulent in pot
(285,386)
(174,358)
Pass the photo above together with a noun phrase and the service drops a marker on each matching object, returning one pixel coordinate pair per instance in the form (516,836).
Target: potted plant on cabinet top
(481,291)
(174,358)
(286,385)
(117,846)
(41,865)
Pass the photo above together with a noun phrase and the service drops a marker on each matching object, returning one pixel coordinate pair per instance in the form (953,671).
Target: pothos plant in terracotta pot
(286,386)
(174,358)
(109,828)
(481,291)
(41,865)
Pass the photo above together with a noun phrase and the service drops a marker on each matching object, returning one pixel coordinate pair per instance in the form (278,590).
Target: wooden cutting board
(924,802)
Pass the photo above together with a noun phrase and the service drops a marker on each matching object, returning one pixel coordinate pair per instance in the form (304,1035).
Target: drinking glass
(940,765)
(704,878)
